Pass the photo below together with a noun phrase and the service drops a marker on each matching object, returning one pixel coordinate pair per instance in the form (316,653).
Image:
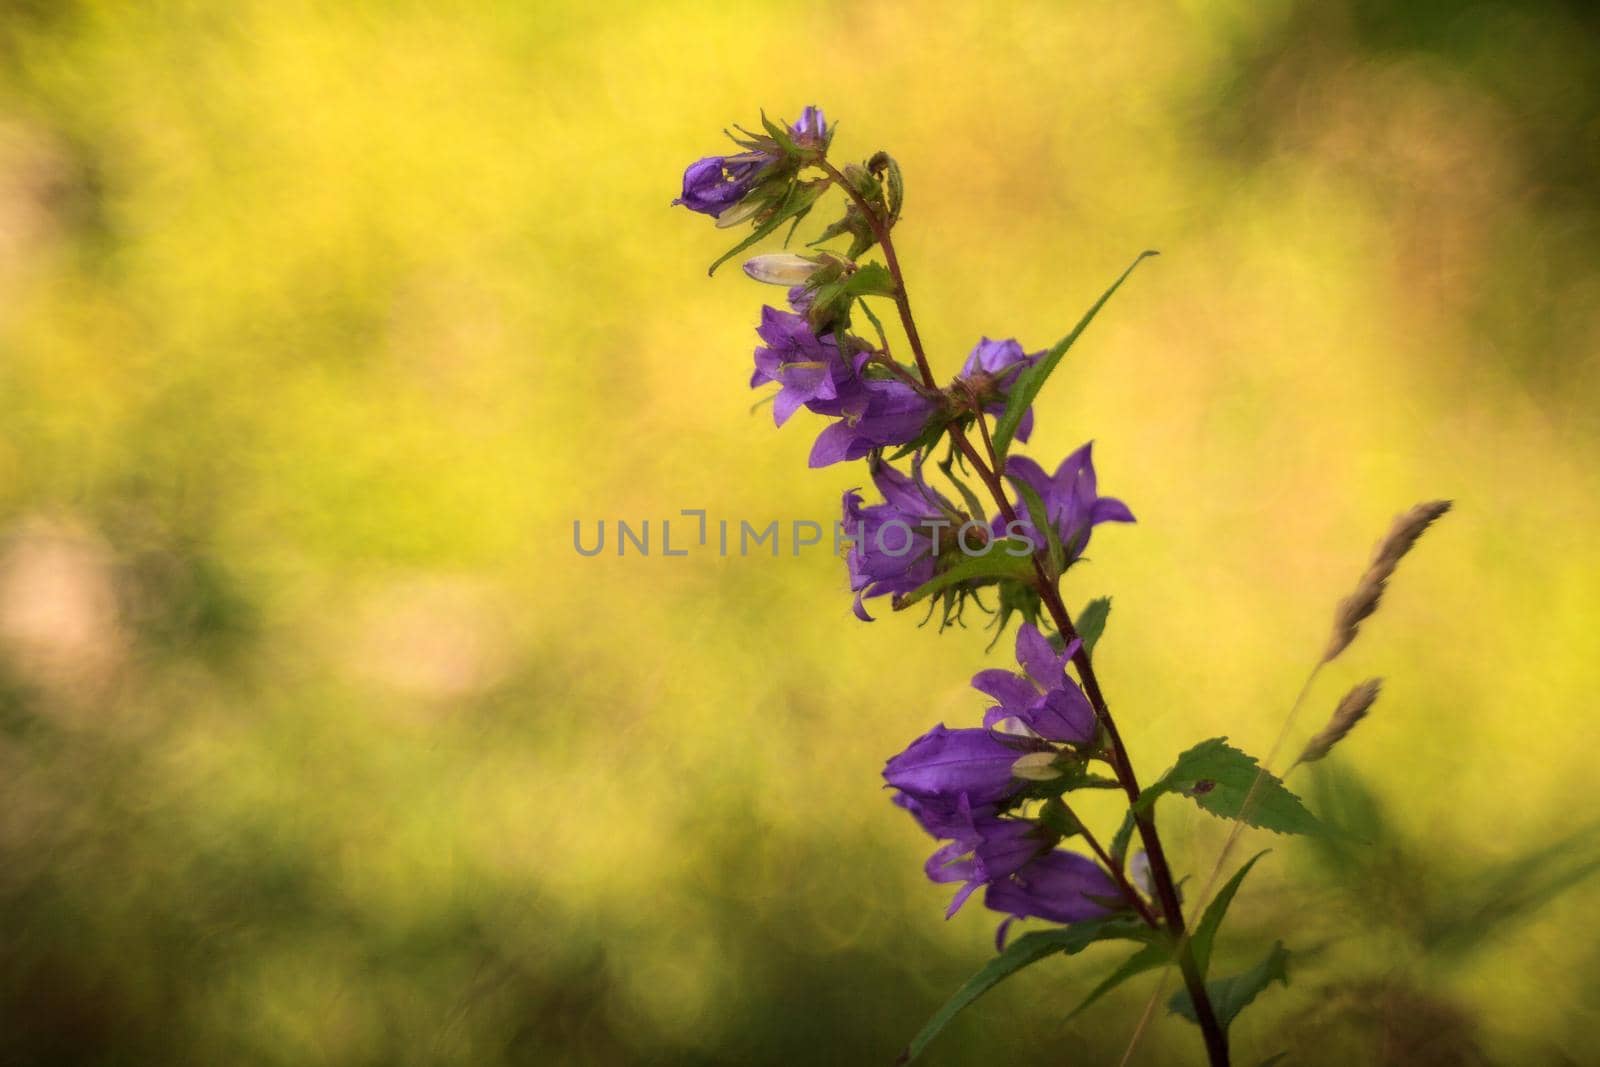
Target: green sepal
(795,204)
(997,563)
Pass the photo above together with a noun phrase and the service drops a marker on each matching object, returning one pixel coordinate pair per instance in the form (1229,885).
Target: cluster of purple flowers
(970,788)
(829,376)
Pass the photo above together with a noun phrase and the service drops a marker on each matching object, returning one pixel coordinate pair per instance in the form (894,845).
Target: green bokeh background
(321,323)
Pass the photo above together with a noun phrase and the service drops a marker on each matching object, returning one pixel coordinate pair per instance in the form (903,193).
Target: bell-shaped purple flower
(992,369)
(873,413)
(1044,700)
(1060,886)
(895,545)
(986,848)
(943,764)
(943,817)
(1071,500)
(807,368)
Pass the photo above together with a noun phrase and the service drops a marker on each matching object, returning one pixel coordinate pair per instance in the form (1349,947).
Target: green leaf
(1030,381)
(1060,821)
(796,203)
(997,563)
(1205,931)
(1122,839)
(1153,955)
(1092,622)
(1024,951)
(1230,996)
(1220,778)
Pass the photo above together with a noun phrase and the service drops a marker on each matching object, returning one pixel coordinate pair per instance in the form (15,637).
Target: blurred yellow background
(321,323)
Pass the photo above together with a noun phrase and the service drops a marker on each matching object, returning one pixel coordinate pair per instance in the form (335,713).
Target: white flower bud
(780,268)
(1037,767)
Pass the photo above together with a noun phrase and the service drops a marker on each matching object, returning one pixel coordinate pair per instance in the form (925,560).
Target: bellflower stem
(1216,1041)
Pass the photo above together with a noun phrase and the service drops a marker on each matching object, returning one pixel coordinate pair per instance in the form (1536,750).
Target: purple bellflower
(873,413)
(808,369)
(985,849)
(942,765)
(1059,886)
(896,544)
(1043,699)
(991,370)
(1071,500)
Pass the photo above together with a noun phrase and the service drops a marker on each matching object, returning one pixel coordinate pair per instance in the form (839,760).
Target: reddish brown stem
(1215,1038)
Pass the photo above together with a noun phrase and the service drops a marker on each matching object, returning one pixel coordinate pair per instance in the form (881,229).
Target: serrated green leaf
(995,564)
(1205,931)
(1230,996)
(1153,955)
(1220,778)
(1024,951)
(1030,381)
(1092,622)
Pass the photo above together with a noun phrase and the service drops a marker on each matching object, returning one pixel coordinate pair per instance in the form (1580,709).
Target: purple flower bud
(992,369)
(716,183)
(943,764)
(810,129)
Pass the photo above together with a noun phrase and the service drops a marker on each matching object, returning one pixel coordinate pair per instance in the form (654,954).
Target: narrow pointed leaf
(1092,622)
(1024,951)
(1205,932)
(1230,996)
(1030,381)
(1148,958)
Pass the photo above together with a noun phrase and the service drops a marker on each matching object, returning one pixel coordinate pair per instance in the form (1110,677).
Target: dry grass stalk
(1360,604)
(1351,710)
